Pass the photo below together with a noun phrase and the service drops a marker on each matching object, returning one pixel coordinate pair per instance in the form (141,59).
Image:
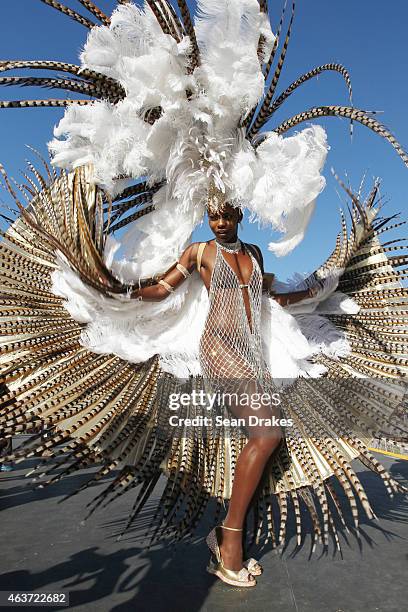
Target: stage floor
(44,547)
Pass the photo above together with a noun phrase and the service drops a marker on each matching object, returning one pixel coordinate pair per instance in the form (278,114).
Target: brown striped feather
(71,13)
(96,11)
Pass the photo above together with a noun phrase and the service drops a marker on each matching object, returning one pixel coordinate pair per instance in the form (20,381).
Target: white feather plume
(228,36)
(286,180)
(197,139)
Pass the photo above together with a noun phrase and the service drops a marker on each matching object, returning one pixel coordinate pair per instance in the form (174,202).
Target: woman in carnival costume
(92,351)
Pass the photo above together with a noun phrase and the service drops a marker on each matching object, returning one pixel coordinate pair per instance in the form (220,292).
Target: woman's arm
(285,299)
(170,280)
(267,283)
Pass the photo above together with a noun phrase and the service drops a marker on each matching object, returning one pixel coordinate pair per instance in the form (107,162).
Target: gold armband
(183,270)
(169,288)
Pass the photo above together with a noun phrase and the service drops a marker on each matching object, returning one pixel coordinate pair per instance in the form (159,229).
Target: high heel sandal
(240,578)
(252,565)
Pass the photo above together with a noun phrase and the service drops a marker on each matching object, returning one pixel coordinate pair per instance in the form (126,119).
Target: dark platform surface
(45,547)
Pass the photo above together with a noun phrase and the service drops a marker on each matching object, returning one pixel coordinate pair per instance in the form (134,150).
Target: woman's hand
(267,284)
(286,299)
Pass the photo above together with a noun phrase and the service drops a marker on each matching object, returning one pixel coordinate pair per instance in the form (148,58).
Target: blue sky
(368,37)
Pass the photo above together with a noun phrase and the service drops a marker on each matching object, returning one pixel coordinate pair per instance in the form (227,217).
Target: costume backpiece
(173,121)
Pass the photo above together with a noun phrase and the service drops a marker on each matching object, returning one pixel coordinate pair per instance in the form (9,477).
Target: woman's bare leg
(263,441)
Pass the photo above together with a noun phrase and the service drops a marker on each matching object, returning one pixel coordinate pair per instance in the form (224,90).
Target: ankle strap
(230,528)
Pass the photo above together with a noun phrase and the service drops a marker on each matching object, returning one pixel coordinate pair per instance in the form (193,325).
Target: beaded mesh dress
(231,355)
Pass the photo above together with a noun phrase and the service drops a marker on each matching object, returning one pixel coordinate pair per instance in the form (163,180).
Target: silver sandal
(240,578)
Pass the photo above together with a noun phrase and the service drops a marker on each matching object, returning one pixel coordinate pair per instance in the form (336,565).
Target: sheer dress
(230,352)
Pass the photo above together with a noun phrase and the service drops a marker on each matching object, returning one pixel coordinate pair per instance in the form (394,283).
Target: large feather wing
(101,410)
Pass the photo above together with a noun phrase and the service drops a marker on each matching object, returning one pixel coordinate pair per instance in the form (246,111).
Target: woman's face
(224,224)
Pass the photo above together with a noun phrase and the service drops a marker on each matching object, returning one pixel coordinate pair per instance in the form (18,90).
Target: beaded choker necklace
(230,247)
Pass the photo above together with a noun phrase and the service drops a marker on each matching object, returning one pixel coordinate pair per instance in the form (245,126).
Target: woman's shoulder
(254,247)
(256,252)
(197,250)
(194,246)
(202,242)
